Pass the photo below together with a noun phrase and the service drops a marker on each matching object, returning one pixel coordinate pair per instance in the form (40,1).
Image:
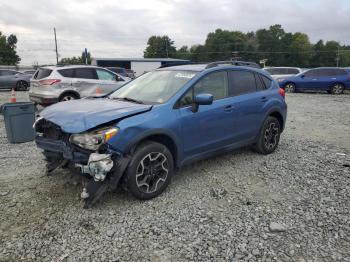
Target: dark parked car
(119,70)
(13,79)
(331,79)
(161,121)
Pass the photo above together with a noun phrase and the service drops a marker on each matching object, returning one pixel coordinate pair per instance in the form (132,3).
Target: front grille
(50,130)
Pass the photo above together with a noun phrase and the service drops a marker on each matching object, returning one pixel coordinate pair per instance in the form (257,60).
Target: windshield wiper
(129,99)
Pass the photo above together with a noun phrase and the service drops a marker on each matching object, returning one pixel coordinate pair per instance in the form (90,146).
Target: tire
(337,89)
(289,88)
(22,86)
(150,170)
(329,91)
(269,136)
(68,97)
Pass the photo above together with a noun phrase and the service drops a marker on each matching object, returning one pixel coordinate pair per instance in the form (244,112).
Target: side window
(86,73)
(293,71)
(311,73)
(241,82)
(267,82)
(340,72)
(259,84)
(66,72)
(215,84)
(105,75)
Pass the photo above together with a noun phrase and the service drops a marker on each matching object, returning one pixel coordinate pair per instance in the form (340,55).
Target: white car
(282,72)
(53,84)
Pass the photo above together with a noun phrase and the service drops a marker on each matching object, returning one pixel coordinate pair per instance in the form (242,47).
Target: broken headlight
(93,140)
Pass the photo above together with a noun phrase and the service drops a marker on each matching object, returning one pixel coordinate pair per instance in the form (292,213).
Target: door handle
(263,99)
(229,108)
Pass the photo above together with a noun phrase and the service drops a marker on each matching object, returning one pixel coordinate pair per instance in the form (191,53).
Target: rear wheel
(22,86)
(68,97)
(337,89)
(269,136)
(149,171)
(290,88)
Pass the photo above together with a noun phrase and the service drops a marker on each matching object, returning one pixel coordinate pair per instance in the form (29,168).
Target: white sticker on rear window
(185,75)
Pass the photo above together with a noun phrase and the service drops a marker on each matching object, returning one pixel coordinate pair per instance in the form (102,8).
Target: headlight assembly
(280,80)
(94,139)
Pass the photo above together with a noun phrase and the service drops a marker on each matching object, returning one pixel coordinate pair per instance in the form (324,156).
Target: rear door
(85,81)
(326,77)
(211,127)
(248,99)
(108,81)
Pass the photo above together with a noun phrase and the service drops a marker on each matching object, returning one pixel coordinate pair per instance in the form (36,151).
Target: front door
(211,127)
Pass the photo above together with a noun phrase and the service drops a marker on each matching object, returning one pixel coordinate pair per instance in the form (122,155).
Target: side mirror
(202,99)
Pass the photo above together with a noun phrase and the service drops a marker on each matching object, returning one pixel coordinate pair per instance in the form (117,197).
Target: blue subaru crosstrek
(331,79)
(138,135)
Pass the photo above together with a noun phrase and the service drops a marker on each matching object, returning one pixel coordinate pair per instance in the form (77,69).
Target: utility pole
(338,57)
(54,30)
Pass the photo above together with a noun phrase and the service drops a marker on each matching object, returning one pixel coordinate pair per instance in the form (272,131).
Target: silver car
(282,72)
(53,84)
(13,79)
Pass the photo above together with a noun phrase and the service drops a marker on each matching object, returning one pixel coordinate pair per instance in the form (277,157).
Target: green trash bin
(19,119)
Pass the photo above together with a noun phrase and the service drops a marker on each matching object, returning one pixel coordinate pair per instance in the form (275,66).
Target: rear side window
(85,73)
(293,71)
(42,73)
(267,81)
(66,72)
(340,72)
(241,82)
(259,83)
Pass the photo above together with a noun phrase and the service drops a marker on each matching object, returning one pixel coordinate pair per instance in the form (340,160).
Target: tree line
(274,45)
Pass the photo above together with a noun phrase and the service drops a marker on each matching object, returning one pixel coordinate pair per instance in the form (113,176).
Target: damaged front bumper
(102,170)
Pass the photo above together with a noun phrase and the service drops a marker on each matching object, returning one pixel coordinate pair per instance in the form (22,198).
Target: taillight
(282,92)
(49,81)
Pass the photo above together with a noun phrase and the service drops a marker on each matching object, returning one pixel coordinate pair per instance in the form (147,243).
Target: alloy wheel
(271,136)
(152,172)
(22,86)
(290,88)
(337,89)
(68,98)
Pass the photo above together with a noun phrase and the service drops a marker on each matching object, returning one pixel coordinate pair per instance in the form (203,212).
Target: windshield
(154,87)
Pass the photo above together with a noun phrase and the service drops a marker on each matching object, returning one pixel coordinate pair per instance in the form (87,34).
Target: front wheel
(150,170)
(337,89)
(269,136)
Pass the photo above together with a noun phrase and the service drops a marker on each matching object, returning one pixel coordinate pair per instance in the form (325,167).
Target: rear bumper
(43,100)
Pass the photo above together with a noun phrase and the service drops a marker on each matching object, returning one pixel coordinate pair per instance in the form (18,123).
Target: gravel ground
(292,205)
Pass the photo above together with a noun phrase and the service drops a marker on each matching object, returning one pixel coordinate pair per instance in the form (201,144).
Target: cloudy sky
(121,28)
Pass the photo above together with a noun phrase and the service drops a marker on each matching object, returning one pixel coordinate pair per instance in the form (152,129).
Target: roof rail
(232,62)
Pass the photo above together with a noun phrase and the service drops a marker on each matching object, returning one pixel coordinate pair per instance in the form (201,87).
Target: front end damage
(99,169)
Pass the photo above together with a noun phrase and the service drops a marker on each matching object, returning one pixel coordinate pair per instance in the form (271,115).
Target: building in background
(138,65)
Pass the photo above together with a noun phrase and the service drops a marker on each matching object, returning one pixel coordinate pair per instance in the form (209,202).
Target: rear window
(66,72)
(42,73)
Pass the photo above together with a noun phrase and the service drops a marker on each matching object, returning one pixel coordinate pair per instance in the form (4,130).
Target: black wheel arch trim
(69,92)
(153,133)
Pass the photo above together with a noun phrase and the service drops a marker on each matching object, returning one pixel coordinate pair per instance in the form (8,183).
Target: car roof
(68,66)
(202,67)
(268,67)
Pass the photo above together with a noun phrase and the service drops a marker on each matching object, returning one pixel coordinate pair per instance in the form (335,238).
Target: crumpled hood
(80,115)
